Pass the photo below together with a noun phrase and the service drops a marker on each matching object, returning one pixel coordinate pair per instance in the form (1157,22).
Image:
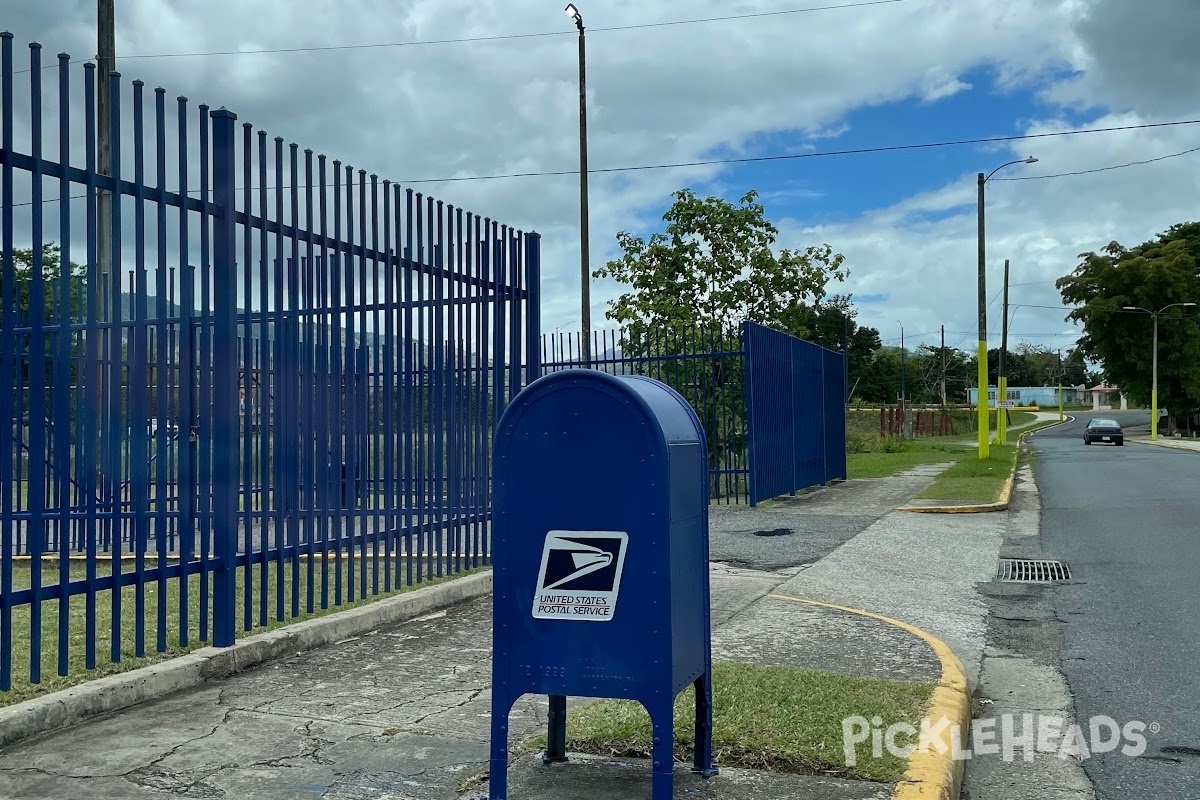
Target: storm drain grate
(1032,571)
(775,532)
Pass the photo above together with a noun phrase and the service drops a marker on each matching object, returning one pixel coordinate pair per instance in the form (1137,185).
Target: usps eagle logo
(580,575)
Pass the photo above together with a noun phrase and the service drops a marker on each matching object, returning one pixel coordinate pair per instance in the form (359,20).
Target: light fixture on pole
(584,267)
(982,347)
(1154,363)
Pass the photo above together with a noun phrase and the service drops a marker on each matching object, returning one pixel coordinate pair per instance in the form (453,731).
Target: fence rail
(288,405)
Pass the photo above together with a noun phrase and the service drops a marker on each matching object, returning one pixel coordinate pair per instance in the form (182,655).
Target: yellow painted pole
(1154,414)
(1060,404)
(984,447)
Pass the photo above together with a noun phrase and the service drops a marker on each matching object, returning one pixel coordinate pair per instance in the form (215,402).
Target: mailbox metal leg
(704,704)
(498,765)
(662,718)
(556,731)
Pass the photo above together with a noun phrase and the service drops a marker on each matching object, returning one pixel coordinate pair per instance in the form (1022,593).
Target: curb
(114,692)
(933,772)
(1161,443)
(1005,494)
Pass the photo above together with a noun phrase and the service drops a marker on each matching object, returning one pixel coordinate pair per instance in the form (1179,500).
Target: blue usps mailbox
(600,530)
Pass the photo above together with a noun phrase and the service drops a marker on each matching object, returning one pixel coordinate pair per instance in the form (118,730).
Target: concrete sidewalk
(1166,441)
(403,713)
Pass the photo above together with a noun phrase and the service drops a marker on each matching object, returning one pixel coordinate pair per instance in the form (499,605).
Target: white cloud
(939,84)
(679,93)
(928,269)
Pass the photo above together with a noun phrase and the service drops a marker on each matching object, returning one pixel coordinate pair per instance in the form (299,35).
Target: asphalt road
(1127,522)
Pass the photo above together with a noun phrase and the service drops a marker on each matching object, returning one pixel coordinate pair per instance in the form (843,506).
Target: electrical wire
(820,154)
(722,161)
(1100,169)
(495,38)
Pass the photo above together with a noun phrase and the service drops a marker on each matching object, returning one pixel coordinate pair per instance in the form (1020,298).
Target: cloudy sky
(797,82)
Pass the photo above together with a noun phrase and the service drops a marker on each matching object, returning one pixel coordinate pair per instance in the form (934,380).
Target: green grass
(882,465)
(77,672)
(873,457)
(867,422)
(764,717)
(972,479)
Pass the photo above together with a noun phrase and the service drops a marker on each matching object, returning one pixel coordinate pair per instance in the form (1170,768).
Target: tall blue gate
(795,411)
(772,405)
(289,406)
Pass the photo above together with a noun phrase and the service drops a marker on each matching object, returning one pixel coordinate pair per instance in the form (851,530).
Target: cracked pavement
(403,712)
(406,706)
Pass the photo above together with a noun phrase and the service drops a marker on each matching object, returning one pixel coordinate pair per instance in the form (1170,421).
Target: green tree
(880,382)
(1151,275)
(715,265)
(690,287)
(52,306)
(51,284)
(832,323)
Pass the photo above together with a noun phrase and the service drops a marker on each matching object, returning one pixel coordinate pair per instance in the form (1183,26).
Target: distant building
(1041,396)
(1101,396)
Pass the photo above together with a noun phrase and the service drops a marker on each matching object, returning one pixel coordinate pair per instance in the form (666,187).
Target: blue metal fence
(702,364)
(291,406)
(795,412)
(771,405)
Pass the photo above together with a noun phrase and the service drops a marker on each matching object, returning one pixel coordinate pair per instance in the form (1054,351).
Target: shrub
(896,445)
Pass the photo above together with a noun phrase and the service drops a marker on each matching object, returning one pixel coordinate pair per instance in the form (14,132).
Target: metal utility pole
(556,730)
(943,352)
(1154,362)
(981,348)
(585,275)
(904,427)
(1002,375)
(846,356)
(1060,376)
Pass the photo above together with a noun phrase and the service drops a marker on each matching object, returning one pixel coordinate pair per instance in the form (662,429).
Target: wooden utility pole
(106,63)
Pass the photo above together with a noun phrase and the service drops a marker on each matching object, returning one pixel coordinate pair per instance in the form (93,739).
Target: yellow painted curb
(1005,494)
(933,772)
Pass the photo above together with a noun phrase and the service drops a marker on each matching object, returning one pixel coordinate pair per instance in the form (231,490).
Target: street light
(584,268)
(1154,362)
(983,377)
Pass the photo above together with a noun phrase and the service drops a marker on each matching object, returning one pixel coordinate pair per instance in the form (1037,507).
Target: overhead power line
(820,154)
(783,157)
(1100,169)
(502,37)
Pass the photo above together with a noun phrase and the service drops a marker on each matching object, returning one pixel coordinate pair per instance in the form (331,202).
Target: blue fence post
(225,398)
(748,373)
(533,302)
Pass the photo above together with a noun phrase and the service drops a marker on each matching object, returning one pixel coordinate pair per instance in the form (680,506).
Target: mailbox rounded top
(662,407)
